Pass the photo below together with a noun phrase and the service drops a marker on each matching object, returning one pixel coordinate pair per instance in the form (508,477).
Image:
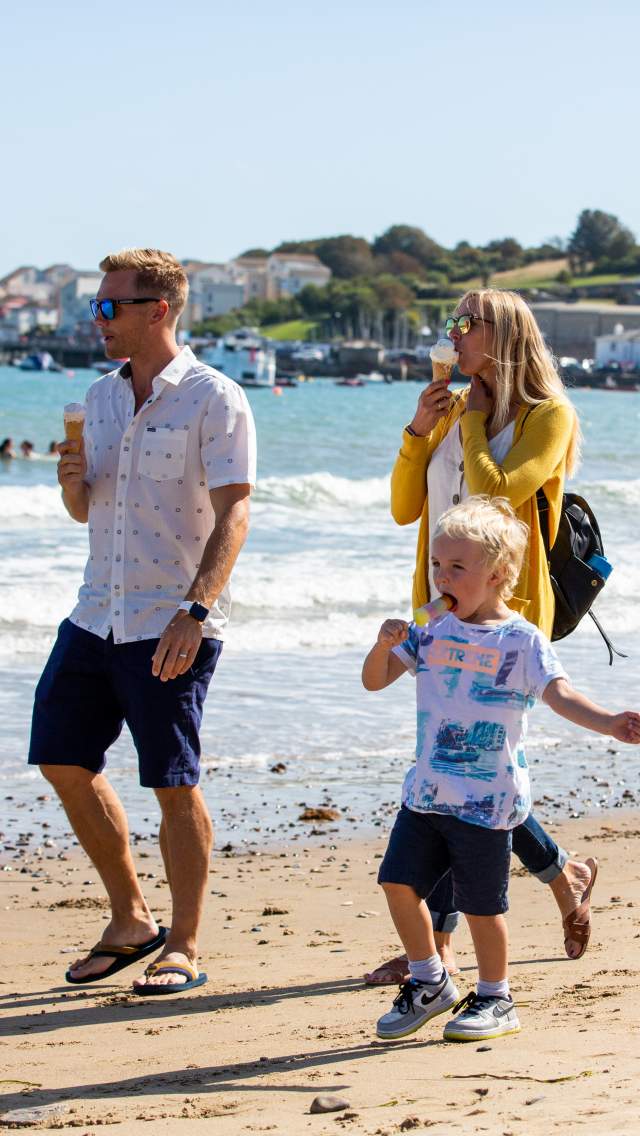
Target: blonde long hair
(523,362)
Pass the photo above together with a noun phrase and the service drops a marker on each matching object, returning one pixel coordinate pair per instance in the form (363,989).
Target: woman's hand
(434,403)
(480,397)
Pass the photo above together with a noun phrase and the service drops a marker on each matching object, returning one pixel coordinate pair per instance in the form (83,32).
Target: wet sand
(285,1017)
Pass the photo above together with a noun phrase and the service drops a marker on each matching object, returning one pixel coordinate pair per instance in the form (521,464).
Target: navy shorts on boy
(90,687)
(423,846)
(469,785)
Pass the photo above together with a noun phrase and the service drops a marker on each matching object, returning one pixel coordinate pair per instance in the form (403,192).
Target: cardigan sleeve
(409,474)
(531,461)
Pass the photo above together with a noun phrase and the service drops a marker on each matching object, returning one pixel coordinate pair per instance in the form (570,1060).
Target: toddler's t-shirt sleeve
(407,652)
(542,665)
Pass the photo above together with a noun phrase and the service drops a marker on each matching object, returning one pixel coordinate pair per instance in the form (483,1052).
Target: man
(163,479)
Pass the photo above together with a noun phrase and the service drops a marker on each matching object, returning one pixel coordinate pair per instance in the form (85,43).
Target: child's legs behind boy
(416,858)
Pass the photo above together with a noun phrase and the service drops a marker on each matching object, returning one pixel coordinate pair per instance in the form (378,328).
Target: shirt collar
(174,372)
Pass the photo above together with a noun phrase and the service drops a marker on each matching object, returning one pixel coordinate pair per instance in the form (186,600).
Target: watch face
(199,612)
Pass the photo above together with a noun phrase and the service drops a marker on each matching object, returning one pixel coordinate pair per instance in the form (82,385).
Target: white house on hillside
(73,301)
(619,346)
(288,273)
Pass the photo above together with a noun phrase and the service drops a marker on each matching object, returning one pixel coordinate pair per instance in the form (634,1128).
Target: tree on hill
(256,252)
(413,242)
(599,238)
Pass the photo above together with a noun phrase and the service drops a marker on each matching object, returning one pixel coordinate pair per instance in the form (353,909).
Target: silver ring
(182,654)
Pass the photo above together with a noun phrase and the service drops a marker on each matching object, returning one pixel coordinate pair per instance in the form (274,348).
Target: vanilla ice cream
(443,359)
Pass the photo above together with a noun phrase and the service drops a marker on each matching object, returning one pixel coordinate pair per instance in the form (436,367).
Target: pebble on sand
(327,1103)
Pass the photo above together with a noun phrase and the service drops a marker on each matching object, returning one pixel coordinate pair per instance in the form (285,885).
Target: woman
(512,432)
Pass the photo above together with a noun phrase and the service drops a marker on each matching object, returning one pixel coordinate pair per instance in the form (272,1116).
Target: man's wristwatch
(196,610)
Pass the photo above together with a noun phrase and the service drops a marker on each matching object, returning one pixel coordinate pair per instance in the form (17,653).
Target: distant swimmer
(6,450)
(27,449)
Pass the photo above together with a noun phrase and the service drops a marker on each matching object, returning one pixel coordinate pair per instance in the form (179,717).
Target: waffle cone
(442,371)
(73,428)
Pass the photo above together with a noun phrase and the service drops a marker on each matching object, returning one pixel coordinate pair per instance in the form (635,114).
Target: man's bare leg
(186,840)
(100,824)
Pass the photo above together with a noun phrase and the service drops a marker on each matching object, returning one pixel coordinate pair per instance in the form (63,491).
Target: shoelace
(474,1003)
(404,1000)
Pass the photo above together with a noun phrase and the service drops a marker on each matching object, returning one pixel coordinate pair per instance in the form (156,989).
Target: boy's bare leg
(412,920)
(186,839)
(100,824)
(491,943)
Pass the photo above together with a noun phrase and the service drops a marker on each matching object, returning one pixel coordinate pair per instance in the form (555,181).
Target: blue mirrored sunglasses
(107,308)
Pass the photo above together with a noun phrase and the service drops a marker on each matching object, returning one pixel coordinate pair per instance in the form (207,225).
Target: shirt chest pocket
(163,454)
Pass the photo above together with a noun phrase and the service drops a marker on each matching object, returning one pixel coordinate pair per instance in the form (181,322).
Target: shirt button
(118,558)
(456,498)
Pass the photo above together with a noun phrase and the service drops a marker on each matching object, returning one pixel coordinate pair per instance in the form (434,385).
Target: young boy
(479,668)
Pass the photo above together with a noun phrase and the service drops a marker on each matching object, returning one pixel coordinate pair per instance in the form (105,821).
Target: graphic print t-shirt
(475,685)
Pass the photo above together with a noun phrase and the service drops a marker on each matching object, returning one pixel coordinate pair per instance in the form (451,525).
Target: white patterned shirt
(475,686)
(149,475)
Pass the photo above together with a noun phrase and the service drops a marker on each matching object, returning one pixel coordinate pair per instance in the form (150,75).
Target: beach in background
(324,564)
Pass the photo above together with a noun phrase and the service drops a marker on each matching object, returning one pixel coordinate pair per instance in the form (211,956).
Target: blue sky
(208,128)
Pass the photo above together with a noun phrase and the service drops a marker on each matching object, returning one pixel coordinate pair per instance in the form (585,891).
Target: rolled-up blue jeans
(534,848)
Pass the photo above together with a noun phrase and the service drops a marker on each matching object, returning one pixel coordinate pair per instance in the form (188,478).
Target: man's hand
(72,467)
(178,647)
(392,633)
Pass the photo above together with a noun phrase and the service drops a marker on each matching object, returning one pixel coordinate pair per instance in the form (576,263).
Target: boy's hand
(392,633)
(625,727)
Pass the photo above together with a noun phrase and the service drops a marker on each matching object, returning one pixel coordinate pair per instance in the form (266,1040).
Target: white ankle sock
(493,989)
(427,970)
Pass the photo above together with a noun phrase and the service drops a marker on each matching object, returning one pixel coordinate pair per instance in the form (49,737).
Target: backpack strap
(610,647)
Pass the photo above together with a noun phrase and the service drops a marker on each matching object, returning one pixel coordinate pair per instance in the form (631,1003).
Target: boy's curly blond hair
(491,523)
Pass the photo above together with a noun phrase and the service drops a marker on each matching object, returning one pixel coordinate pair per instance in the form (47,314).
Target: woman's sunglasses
(463,323)
(107,308)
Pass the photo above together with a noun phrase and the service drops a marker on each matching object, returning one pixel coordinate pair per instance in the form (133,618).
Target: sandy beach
(285,1016)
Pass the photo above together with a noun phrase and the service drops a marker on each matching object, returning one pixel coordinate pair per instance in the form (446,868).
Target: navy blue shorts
(423,846)
(90,687)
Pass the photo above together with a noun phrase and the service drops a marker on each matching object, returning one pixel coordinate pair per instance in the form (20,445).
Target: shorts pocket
(163,453)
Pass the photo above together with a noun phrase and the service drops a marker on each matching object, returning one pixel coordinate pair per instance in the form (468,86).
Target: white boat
(245,356)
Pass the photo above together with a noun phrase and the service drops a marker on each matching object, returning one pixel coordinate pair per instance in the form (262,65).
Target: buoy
(277,390)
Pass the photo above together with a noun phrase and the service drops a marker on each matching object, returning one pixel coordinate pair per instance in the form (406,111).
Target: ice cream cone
(441,371)
(74,422)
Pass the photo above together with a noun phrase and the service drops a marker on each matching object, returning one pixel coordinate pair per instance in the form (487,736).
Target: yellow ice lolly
(423,615)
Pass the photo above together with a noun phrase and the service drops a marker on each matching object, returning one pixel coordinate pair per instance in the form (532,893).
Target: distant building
(251,272)
(73,303)
(572,329)
(622,347)
(213,291)
(289,273)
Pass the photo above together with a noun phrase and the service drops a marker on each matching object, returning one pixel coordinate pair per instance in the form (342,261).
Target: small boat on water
(245,356)
(39,361)
(349,382)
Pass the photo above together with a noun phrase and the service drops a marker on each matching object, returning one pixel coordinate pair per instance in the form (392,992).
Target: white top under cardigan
(446,483)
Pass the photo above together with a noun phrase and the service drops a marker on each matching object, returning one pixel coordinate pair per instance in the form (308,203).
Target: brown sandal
(393,973)
(577,924)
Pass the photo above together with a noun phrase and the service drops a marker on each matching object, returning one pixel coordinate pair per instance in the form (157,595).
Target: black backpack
(577,565)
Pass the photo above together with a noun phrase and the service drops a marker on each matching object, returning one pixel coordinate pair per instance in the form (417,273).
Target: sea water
(323,566)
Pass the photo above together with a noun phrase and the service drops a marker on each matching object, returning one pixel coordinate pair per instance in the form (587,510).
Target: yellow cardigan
(537,458)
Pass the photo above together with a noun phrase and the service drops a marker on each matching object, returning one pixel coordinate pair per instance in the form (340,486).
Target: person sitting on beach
(7,451)
(27,449)
(512,432)
(479,668)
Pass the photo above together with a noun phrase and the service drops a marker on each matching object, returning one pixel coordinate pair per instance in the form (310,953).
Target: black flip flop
(193,979)
(124,956)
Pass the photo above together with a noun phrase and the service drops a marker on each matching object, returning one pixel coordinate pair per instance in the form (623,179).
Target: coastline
(285,1016)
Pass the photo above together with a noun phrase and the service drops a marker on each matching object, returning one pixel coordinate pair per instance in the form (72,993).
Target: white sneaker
(416,1004)
(482,1017)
